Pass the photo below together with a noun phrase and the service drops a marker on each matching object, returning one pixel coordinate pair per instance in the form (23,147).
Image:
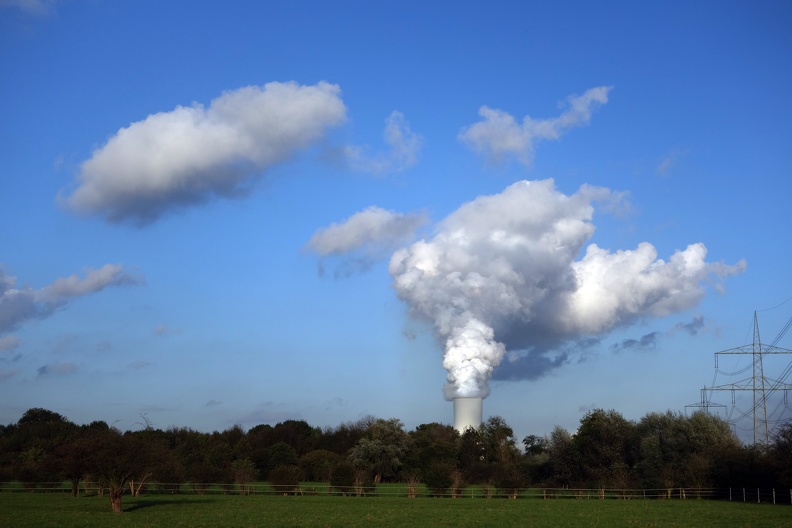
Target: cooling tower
(467,413)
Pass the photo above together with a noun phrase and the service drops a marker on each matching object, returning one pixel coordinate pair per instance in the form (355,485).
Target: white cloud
(499,136)
(501,275)
(33,7)
(404,146)
(18,305)
(366,236)
(373,226)
(192,154)
(671,160)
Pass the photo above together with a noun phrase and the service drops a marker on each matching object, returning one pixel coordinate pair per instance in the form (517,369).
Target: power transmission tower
(760,385)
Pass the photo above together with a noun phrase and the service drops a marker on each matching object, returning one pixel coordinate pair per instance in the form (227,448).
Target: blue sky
(243,212)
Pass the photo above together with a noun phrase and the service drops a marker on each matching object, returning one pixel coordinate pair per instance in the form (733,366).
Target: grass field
(41,510)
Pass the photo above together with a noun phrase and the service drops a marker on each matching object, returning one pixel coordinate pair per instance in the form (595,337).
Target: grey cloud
(8,343)
(12,359)
(141,364)
(57,368)
(648,341)
(7,374)
(18,305)
(693,326)
(164,330)
(266,414)
(529,366)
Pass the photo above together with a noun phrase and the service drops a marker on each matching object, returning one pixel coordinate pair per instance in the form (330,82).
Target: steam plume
(500,275)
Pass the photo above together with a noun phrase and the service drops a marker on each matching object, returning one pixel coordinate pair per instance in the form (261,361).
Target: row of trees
(660,451)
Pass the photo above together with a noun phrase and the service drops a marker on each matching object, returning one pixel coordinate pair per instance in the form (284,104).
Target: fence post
(743,494)
(773,495)
(757,495)
(730,495)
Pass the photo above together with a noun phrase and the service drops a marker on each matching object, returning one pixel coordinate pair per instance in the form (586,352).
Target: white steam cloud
(18,305)
(501,274)
(192,154)
(498,135)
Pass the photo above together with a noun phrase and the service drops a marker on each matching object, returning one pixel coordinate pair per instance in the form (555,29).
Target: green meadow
(40,510)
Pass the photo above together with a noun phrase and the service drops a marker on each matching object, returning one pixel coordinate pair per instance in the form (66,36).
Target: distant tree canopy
(659,451)
(38,415)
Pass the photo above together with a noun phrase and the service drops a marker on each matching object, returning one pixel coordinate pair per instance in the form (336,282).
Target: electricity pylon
(760,385)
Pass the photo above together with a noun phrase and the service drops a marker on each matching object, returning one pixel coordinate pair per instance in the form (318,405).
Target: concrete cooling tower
(467,413)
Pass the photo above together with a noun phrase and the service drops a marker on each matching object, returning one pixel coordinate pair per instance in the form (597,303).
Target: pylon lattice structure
(758,384)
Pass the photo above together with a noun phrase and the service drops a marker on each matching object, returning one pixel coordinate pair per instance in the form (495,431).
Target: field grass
(41,510)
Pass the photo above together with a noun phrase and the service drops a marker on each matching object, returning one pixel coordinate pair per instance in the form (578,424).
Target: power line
(776,306)
(758,384)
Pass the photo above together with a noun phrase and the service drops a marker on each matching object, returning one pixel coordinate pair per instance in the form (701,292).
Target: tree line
(661,451)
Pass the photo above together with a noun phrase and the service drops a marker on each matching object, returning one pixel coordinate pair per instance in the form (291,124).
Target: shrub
(412,479)
(364,484)
(509,480)
(244,473)
(318,465)
(438,478)
(285,479)
(342,479)
(458,483)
